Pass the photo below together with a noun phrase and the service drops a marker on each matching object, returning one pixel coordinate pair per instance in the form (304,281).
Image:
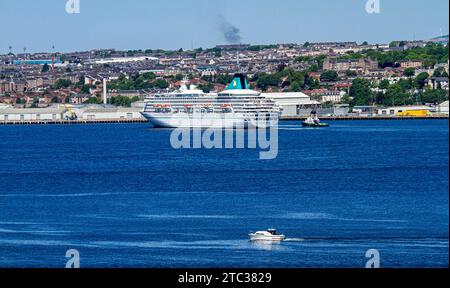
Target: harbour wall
(141,120)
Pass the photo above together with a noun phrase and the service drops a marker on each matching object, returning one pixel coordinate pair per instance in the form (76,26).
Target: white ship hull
(237,107)
(224,121)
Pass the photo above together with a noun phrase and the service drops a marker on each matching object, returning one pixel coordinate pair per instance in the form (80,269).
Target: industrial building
(419,111)
(122,60)
(60,112)
(31,114)
(442,108)
(293,103)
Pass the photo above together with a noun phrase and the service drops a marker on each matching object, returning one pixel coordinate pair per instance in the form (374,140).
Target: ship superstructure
(236,107)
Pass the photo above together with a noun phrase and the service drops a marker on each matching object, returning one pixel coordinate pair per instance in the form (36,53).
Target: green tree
(434,96)
(303,59)
(208,87)
(360,91)
(93,100)
(329,76)
(406,84)
(420,80)
(429,63)
(85,89)
(56,99)
(346,99)
(438,72)
(224,79)
(351,73)
(380,98)
(62,83)
(161,84)
(295,86)
(409,72)
(429,55)
(281,67)
(148,76)
(384,84)
(81,80)
(122,101)
(130,83)
(320,59)
(351,56)
(268,80)
(45,68)
(392,94)
(396,95)
(312,83)
(35,103)
(314,68)
(293,76)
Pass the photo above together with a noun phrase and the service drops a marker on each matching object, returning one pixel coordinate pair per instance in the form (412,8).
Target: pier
(295,118)
(75,122)
(359,118)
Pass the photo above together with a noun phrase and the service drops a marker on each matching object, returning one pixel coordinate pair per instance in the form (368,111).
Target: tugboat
(314,121)
(268,236)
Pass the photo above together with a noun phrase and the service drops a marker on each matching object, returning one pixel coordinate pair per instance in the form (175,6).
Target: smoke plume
(230,32)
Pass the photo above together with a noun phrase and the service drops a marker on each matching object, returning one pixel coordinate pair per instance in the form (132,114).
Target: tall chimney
(105,100)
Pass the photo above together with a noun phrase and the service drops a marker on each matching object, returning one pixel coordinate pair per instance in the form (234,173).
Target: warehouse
(419,110)
(31,114)
(293,103)
(69,112)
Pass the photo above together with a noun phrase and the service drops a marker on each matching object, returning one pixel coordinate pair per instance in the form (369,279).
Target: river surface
(123,197)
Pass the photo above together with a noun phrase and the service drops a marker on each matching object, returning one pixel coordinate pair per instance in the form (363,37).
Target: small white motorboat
(269,236)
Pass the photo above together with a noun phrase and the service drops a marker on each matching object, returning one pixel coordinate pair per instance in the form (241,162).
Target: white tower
(105,100)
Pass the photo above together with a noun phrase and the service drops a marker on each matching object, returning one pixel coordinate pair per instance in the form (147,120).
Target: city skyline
(176,24)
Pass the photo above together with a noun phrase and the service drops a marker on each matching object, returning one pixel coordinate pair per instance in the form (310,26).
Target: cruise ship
(236,107)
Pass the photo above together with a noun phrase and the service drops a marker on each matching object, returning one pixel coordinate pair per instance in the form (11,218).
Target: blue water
(122,197)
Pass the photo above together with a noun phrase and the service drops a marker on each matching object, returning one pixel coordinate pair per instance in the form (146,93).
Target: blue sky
(174,24)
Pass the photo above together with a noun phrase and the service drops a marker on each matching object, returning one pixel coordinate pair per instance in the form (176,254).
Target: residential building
(410,63)
(325,95)
(352,64)
(438,82)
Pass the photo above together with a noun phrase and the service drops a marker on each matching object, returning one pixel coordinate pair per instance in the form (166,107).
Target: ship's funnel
(239,82)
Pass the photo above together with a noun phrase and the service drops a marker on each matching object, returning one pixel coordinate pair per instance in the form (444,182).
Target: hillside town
(362,78)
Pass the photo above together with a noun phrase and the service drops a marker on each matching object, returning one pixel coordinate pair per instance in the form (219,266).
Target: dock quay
(356,117)
(75,122)
(299,118)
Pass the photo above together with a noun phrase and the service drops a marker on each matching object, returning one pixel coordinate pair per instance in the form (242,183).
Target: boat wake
(291,129)
(294,240)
